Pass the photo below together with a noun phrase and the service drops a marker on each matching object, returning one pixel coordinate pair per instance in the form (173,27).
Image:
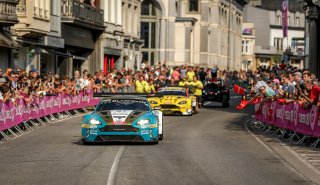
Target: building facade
(271,48)
(8,17)
(248,60)
(61,36)
(192,32)
(57,36)
(312,39)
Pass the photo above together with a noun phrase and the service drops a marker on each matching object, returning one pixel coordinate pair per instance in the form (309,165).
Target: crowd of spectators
(18,84)
(282,82)
(285,84)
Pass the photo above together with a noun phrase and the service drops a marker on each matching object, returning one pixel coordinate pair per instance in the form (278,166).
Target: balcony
(82,14)
(8,15)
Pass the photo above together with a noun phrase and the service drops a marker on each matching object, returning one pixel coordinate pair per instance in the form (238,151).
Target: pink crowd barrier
(12,115)
(289,116)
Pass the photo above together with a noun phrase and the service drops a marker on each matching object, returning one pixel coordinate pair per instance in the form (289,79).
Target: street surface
(212,147)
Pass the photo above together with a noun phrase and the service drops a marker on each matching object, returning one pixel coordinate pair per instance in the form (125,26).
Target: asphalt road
(212,147)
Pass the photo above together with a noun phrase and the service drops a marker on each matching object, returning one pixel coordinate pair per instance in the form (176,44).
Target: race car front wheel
(161,136)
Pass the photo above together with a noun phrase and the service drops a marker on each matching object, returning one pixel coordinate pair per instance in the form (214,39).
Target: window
(245,46)
(278,43)
(177,9)
(150,13)
(243,42)
(279,20)
(297,21)
(193,6)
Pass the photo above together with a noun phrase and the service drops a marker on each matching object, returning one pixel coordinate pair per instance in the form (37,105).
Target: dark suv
(216,91)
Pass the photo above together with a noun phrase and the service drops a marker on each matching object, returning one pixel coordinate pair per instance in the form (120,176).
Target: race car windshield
(123,105)
(173,92)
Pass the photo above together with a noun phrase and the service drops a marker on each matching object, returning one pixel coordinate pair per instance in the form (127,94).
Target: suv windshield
(141,105)
(214,86)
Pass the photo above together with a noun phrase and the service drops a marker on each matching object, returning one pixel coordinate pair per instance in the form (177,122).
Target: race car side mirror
(157,108)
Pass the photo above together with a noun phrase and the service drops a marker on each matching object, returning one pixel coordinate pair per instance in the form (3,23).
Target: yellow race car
(174,101)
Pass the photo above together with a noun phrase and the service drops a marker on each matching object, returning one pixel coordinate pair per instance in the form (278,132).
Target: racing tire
(161,136)
(226,105)
(225,102)
(86,143)
(195,110)
(202,104)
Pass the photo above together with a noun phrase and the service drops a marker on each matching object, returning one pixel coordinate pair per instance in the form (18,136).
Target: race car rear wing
(146,95)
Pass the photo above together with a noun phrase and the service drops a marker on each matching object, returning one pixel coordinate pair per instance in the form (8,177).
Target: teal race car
(123,119)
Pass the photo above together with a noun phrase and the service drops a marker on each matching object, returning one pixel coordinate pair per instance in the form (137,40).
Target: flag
(281,101)
(243,104)
(255,100)
(270,114)
(238,90)
(284,9)
(300,102)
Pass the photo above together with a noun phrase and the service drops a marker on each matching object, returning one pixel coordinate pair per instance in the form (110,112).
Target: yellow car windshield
(177,92)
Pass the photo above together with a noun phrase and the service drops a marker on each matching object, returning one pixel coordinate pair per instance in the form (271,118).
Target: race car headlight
(153,102)
(94,122)
(143,122)
(182,102)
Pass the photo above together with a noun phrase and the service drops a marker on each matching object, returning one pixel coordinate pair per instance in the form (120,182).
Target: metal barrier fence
(290,122)
(16,119)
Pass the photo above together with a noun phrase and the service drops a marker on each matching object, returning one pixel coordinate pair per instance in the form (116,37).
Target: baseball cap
(34,70)
(298,73)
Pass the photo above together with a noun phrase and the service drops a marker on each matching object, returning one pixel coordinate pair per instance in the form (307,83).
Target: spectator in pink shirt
(176,74)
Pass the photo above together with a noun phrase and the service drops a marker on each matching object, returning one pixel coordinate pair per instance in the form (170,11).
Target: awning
(61,54)
(7,41)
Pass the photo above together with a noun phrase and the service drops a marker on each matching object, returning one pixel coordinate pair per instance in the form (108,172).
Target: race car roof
(173,88)
(125,97)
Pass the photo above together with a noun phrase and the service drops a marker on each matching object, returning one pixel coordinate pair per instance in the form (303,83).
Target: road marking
(207,103)
(115,165)
(235,97)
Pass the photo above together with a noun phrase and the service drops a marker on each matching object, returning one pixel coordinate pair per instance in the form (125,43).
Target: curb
(289,157)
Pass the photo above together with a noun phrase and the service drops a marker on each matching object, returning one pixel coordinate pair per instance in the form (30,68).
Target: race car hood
(121,117)
(171,99)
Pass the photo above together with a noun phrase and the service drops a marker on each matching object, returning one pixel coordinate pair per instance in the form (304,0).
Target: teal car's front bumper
(120,133)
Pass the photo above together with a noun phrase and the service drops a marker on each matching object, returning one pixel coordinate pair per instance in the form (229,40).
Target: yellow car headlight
(153,102)
(182,103)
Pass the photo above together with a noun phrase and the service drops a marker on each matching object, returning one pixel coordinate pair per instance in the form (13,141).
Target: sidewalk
(304,160)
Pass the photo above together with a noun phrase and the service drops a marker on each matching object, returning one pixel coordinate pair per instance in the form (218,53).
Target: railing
(8,11)
(76,10)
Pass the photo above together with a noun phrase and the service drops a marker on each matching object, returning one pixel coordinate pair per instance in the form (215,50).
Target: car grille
(169,107)
(119,138)
(119,128)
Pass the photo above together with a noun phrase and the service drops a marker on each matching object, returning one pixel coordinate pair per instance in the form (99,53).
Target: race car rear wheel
(195,110)
(225,102)
(202,103)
